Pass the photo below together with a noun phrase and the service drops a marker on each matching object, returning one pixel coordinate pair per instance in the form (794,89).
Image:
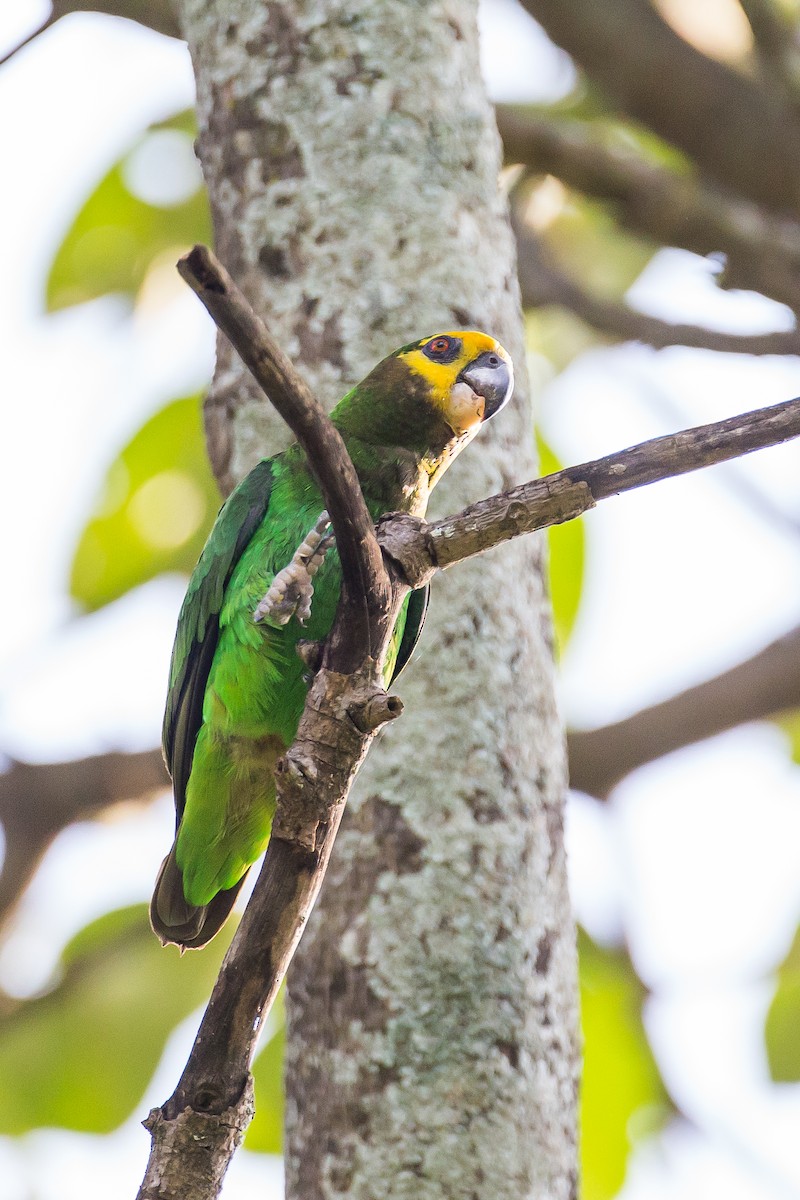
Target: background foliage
(596,197)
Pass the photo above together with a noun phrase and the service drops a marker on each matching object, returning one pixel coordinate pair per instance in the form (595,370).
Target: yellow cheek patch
(440,376)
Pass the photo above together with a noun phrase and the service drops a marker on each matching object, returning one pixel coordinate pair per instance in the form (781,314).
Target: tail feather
(179,923)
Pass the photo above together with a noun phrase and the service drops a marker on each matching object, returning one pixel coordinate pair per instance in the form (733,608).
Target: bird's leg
(292,589)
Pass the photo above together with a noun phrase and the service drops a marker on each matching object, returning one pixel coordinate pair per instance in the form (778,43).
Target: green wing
(198,623)
(416,611)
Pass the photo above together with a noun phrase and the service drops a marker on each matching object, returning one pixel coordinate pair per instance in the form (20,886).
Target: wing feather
(198,623)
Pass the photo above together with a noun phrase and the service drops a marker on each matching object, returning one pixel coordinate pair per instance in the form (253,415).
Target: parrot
(237,684)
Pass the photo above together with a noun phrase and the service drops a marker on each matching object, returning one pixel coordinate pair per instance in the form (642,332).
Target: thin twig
(736,479)
(421,549)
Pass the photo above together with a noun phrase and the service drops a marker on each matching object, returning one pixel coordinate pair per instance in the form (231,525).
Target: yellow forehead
(441,376)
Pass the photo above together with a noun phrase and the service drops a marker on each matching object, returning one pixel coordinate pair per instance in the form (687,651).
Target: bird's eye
(442,349)
(493,360)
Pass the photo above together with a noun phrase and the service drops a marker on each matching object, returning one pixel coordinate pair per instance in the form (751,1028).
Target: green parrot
(237,687)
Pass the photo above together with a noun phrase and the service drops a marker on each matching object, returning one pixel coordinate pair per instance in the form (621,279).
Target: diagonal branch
(198,1129)
(421,549)
(777,45)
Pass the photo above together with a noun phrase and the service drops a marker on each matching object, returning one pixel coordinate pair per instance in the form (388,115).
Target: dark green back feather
(416,611)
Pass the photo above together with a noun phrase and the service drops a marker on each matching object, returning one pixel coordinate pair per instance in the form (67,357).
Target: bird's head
(409,418)
(429,398)
(467,376)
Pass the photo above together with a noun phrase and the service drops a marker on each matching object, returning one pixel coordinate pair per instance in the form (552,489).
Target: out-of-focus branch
(776,44)
(739,131)
(30,37)
(764,685)
(154,14)
(38,800)
(675,209)
(542,283)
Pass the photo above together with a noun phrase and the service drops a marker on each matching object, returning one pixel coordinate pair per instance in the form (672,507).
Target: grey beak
(491,377)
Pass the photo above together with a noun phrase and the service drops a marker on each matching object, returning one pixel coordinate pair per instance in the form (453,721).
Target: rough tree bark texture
(352,164)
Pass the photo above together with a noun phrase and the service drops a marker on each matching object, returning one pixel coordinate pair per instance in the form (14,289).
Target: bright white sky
(683,579)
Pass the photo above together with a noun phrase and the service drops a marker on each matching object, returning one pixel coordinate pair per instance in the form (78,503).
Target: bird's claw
(292,590)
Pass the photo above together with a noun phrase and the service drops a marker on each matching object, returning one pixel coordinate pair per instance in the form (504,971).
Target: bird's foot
(292,589)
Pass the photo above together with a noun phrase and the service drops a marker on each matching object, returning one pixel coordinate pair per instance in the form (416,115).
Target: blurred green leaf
(122,228)
(266,1129)
(782,1026)
(589,247)
(587,109)
(582,104)
(559,336)
(157,504)
(566,545)
(789,723)
(81,1056)
(589,244)
(623,1098)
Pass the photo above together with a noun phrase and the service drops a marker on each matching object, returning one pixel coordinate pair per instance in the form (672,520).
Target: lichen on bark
(352,164)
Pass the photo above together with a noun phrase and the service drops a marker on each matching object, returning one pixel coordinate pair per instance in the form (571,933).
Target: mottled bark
(352,166)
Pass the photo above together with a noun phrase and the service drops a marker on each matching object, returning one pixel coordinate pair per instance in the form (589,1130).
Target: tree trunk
(352,163)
